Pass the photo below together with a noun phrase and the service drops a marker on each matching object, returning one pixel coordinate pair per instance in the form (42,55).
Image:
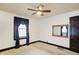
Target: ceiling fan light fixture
(39,13)
(40,8)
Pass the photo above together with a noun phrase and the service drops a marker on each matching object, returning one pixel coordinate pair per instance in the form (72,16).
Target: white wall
(6,30)
(33,30)
(46,28)
(38,29)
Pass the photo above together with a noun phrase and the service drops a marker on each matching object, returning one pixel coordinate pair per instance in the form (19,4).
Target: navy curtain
(17,22)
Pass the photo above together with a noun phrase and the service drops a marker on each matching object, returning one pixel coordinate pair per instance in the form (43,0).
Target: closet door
(74,33)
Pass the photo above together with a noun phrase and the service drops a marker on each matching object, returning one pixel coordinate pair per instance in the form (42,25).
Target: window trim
(60,30)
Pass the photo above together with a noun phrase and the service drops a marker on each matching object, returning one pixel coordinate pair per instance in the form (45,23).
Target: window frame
(61,34)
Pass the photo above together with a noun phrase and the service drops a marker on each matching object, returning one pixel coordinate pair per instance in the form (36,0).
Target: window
(22,31)
(60,30)
(64,30)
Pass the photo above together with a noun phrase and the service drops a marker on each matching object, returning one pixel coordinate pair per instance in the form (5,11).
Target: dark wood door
(74,33)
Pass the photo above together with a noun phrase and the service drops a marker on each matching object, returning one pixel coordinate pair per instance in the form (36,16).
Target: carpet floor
(38,49)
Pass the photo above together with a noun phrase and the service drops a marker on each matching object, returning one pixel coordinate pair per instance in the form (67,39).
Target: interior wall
(33,30)
(7,30)
(40,29)
(46,28)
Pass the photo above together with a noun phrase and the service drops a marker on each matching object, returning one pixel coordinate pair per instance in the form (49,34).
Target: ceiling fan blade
(46,10)
(31,9)
(33,13)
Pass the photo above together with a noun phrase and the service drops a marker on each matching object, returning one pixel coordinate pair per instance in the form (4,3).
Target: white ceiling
(21,8)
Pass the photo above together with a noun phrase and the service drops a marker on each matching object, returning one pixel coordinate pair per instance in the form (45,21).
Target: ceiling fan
(39,10)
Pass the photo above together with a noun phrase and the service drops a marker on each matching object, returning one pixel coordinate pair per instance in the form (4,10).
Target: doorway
(74,33)
(21,31)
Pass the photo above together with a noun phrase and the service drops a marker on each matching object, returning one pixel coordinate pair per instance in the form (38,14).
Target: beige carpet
(38,49)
